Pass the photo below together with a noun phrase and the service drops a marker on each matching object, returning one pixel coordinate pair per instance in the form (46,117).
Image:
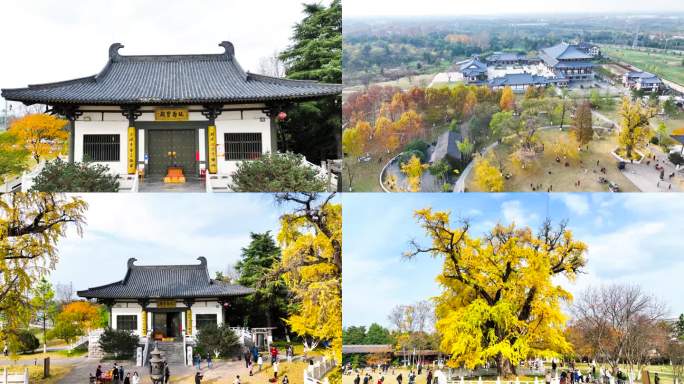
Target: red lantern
(282,116)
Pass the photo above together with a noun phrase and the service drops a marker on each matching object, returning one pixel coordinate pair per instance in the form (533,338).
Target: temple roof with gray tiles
(171,79)
(166,282)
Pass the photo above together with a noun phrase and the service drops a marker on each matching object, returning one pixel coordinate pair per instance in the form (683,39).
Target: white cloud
(513,212)
(574,202)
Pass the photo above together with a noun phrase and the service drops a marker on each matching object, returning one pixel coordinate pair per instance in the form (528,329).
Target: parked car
(613,187)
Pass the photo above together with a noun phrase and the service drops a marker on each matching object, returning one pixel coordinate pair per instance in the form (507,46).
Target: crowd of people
(115,375)
(252,357)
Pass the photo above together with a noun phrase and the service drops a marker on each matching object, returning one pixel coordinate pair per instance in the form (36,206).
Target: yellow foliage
(499,300)
(635,130)
(507,101)
(311,264)
(31,225)
(566,147)
(487,176)
(83,313)
(413,170)
(354,139)
(41,134)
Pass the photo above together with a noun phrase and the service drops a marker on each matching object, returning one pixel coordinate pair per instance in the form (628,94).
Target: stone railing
(14,378)
(316,371)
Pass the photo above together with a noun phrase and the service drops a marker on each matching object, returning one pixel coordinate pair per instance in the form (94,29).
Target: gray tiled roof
(367,348)
(519,79)
(473,67)
(171,79)
(165,282)
(446,145)
(562,51)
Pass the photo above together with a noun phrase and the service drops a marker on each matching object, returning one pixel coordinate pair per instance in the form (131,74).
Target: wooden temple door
(172,147)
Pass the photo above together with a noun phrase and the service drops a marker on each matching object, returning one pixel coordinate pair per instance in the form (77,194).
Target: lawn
(36,372)
(664,371)
(667,66)
(548,172)
(390,377)
(54,354)
(366,175)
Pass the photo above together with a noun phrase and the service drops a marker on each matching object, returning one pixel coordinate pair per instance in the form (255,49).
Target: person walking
(237,379)
(656,378)
(5,350)
(365,378)
(198,377)
(197,360)
(121,372)
(135,379)
(260,362)
(208,360)
(248,358)
(115,374)
(400,378)
(429,376)
(276,365)
(285,380)
(127,380)
(290,353)
(98,373)
(357,379)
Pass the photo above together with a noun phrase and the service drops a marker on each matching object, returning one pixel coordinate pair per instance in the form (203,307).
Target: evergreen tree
(354,335)
(377,334)
(679,327)
(313,128)
(257,261)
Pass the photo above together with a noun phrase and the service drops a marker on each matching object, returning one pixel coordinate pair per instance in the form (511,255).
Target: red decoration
(282,116)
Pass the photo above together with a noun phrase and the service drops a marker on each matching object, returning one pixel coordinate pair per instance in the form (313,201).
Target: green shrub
(219,340)
(60,176)
(406,156)
(120,343)
(417,145)
(277,173)
(26,341)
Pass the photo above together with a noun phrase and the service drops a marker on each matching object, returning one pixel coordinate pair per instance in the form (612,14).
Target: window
(205,319)
(242,146)
(127,322)
(101,147)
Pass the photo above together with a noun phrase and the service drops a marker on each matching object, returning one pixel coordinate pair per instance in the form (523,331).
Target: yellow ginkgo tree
(499,302)
(41,134)
(311,266)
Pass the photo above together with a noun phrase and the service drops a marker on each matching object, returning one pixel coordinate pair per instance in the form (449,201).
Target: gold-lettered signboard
(131,150)
(171,114)
(166,304)
(211,138)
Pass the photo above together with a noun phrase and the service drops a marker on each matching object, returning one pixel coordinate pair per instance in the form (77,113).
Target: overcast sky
(54,40)
(161,229)
(356,8)
(632,238)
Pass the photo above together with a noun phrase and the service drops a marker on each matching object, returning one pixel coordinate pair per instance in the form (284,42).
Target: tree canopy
(32,225)
(499,300)
(311,265)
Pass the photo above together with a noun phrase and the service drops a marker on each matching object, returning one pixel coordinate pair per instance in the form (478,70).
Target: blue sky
(161,229)
(632,238)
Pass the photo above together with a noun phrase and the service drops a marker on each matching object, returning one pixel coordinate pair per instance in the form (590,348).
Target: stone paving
(647,178)
(153,185)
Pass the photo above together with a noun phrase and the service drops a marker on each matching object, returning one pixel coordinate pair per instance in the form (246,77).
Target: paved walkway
(644,176)
(153,184)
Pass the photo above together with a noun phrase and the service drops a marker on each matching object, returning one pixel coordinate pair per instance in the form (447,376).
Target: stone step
(173,352)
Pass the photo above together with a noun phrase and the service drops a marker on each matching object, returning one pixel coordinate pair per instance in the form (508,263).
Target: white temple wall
(83,127)
(252,122)
(127,309)
(206,307)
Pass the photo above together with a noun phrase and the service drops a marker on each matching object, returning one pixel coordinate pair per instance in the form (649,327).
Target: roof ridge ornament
(229,48)
(131,262)
(114,51)
(203,260)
